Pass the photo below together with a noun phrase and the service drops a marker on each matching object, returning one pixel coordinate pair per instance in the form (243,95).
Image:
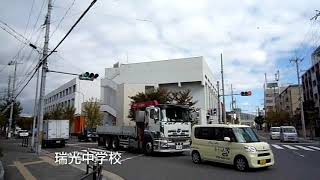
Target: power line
(65,14)
(46,57)
(29,18)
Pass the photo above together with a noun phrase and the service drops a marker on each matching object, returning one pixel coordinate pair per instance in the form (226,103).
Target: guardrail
(25,141)
(96,171)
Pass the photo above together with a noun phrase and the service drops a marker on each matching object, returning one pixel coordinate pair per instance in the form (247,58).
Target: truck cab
(168,128)
(158,128)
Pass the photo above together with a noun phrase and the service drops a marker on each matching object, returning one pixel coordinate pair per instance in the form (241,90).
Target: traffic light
(246,93)
(88,76)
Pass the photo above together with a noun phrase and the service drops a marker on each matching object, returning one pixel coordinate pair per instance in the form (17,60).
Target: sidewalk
(19,164)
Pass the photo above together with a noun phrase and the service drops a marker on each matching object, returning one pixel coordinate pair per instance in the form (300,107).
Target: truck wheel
(108,142)
(148,148)
(115,143)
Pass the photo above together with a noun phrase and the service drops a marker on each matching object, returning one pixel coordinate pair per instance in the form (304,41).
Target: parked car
(275,133)
(237,145)
(288,133)
(23,133)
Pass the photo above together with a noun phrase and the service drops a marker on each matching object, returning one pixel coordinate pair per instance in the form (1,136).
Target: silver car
(288,133)
(275,133)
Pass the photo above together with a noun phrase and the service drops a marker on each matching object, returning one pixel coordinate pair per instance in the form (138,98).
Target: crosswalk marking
(277,146)
(290,147)
(304,148)
(314,147)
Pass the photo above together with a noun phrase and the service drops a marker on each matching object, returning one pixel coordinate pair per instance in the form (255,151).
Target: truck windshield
(245,135)
(177,114)
(275,129)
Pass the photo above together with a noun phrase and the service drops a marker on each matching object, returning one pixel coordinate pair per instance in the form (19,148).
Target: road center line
(132,157)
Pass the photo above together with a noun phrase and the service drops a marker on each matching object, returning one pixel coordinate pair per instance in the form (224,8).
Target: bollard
(95,172)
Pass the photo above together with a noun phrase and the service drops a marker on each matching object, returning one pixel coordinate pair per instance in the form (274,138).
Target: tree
(259,120)
(182,97)
(17,109)
(57,113)
(68,113)
(92,112)
(163,96)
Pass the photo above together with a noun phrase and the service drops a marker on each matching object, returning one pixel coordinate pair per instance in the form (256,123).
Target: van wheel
(241,163)
(196,158)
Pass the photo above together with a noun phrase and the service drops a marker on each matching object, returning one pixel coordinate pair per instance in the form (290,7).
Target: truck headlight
(250,149)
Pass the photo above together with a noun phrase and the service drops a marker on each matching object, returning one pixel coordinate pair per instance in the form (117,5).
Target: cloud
(254,36)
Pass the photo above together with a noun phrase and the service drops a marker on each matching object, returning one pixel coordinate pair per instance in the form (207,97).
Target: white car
(23,133)
(275,133)
(288,133)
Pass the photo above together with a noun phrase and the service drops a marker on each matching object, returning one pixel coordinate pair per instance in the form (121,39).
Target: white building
(73,93)
(124,80)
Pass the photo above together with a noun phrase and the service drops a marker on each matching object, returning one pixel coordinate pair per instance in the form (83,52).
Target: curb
(1,171)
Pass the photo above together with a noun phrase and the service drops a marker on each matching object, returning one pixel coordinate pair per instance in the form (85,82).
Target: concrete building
(288,100)
(315,56)
(271,94)
(124,80)
(247,119)
(311,84)
(73,93)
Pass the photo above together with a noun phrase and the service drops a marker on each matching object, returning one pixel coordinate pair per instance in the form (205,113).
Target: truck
(158,128)
(55,132)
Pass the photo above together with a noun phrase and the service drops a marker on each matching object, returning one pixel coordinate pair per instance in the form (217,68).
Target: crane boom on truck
(158,128)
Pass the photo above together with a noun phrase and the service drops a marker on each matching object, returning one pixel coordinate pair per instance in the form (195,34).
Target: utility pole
(35,113)
(12,95)
(265,94)
(9,85)
(296,61)
(219,103)
(232,105)
(223,98)
(43,77)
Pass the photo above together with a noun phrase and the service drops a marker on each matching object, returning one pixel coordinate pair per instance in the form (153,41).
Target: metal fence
(96,172)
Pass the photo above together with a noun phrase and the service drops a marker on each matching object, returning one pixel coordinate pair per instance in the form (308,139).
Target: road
(294,161)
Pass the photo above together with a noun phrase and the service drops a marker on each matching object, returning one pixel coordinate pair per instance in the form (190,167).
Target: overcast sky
(254,36)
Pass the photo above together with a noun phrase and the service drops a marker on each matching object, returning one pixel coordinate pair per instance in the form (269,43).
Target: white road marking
(131,157)
(304,148)
(314,147)
(290,147)
(276,146)
(295,152)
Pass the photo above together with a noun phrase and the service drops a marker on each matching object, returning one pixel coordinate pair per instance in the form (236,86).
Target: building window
(287,99)
(67,92)
(60,94)
(314,83)
(74,88)
(316,96)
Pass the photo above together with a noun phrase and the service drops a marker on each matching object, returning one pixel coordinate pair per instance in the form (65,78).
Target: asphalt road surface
(294,161)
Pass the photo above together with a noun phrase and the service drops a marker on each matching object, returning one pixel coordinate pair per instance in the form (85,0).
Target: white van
(288,133)
(237,145)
